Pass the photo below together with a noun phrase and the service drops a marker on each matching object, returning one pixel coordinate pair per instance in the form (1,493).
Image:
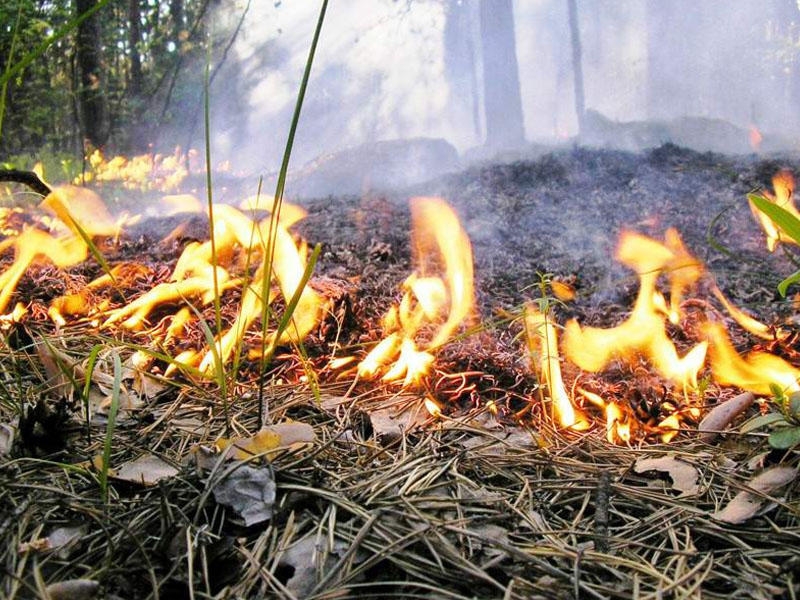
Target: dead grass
(462,507)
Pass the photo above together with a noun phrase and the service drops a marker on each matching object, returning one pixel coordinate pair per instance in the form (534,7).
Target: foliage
(784,425)
(37,70)
(788,224)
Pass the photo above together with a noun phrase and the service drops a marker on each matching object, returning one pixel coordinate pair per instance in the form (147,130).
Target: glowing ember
(543,343)
(644,332)
(437,297)
(783,184)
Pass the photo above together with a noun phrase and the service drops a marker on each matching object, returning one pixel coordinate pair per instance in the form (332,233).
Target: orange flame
(543,343)
(755,373)
(644,332)
(143,172)
(783,184)
(437,297)
(756,138)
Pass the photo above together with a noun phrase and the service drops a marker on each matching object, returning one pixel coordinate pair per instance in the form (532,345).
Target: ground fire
(262,261)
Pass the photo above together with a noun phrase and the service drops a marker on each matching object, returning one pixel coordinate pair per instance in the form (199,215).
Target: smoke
(695,73)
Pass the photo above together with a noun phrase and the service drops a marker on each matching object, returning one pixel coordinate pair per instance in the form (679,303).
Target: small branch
(28,178)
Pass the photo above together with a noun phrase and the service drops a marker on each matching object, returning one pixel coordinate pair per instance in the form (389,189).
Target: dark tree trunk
(176,15)
(134,42)
(577,65)
(93,107)
(460,36)
(501,93)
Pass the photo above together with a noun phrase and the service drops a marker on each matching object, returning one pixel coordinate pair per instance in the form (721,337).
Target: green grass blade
(780,216)
(87,384)
(110,426)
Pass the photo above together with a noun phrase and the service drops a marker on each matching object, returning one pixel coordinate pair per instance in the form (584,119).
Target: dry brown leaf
(146,470)
(6,438)
(270,439)
(722,415)
(684,476)
(745,504)
(73,589)
(58,539)
(250,492)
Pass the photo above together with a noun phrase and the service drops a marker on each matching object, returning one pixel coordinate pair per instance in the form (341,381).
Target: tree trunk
(460,64)
(176,16)
(577,65)
(502,101)
(134,42)
(93,107)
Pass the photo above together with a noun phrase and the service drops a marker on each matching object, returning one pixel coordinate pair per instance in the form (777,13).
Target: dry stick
(28,178)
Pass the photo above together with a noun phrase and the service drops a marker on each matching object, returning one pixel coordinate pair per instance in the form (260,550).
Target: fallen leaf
(6,438)
(269,439)
(310,561)
(249,491)
(746,504)
(58,539)
(146,470)
(722,415)
(684,476)
(73,589)
(389,424)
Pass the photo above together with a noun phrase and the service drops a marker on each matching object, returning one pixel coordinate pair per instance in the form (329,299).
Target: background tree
(92,102)
(577,64)
(502,100)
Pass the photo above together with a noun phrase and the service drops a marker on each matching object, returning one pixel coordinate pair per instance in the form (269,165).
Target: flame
(756,372)
(238,241)
(144,172)
(543,342)
(437,297)
(748,323)
(755,137)
(78,212)
(644,332)
(783,185)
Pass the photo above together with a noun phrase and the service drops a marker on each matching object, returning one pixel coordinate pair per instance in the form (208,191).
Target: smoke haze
(697,73)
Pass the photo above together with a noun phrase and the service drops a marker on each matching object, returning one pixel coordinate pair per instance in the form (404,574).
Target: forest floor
(488,500)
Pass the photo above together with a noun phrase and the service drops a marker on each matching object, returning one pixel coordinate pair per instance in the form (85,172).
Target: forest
(399,299)
(129,76)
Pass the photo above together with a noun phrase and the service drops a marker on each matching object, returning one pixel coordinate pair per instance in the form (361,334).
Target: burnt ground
(561,214)
(482,507)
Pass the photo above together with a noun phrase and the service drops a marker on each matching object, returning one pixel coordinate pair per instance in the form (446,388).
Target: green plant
(112,421)
(789,225)
(783,425)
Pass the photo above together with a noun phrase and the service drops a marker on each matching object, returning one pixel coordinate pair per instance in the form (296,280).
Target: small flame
(437,297)
(756,372)
(543,342)
(783,185)
(143,172)
(644,332)
(756,138)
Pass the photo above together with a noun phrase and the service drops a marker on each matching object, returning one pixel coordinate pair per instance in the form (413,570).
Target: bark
(176,16)
(460,61)
(134,43)
(502,101)
(577,65)
(92,102)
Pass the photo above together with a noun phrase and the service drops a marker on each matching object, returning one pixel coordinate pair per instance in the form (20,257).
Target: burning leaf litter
(391,505)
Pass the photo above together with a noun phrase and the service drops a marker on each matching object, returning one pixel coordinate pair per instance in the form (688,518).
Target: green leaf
(784,438)
(784,285)
(794,404)
(762,421)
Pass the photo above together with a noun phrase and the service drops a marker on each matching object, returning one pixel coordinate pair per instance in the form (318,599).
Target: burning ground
(466,482)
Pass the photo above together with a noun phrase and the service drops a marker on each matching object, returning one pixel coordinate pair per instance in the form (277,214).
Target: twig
(28,178)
